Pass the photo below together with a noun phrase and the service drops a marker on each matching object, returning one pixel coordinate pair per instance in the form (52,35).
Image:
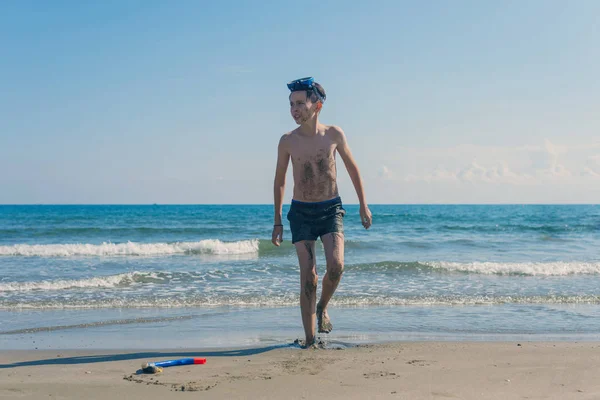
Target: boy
(316,209)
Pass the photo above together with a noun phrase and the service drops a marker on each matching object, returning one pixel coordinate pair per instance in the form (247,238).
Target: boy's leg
(308,286)
(333,244)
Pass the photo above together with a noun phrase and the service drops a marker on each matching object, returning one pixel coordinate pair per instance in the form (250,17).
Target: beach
(400,370)
(175,181)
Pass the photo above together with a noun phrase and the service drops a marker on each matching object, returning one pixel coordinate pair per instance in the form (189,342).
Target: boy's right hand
(277,236)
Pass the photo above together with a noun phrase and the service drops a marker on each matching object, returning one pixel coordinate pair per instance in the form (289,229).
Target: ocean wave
(123,280)
(555,268)
(209,246)
(62,284)
(264,247)
(291,300)
(515,228)
(49,232)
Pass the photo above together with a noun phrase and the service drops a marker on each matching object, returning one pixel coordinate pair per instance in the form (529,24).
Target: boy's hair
(310,94)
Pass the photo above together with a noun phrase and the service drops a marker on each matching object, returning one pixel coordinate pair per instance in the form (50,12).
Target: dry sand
(406,370)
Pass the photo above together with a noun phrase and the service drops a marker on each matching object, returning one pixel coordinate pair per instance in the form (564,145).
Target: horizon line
(271,204)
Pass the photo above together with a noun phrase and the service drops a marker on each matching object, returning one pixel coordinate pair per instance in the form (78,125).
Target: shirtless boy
(316,209)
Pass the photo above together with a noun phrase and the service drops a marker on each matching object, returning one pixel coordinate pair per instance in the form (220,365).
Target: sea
(202,276)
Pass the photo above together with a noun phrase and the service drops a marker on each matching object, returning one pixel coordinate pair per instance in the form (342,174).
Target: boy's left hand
(365,216)
(277,236)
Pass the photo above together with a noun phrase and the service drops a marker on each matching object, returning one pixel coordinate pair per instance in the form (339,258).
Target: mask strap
(316,91)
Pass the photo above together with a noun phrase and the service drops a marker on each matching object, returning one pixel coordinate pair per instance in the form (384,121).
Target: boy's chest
(312,150)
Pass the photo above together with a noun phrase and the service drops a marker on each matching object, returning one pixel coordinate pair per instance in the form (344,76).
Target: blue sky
(185,101)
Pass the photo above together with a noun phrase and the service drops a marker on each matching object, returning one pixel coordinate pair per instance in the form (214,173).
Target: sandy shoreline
(403,370)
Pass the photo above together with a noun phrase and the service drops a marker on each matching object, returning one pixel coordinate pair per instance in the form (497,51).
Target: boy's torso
(313,163)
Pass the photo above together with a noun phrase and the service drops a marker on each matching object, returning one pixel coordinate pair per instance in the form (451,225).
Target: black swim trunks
(309,221)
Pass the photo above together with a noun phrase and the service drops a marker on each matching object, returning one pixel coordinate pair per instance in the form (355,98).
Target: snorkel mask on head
(306,84)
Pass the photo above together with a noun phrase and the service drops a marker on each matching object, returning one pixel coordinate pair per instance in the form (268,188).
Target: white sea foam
(556,268)
(292,301)
(96,282)
(209,246)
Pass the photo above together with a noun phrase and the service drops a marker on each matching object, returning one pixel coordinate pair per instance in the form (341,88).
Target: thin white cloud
(385,173)
(547,163)
(589,172)
(592,164)
(439,174)
(473,173)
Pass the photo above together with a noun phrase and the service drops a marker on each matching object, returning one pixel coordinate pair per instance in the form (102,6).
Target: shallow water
(208,276)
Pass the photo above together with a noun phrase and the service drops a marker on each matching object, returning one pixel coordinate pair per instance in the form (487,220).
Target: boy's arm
(344,151)
(283,159)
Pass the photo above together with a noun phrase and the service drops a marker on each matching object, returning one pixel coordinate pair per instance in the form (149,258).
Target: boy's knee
(311,278)
(335,269)
(310,285)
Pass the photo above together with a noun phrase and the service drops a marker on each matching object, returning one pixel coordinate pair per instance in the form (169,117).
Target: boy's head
(306,99)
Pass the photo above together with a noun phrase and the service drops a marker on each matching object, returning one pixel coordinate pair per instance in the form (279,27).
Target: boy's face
(301,108)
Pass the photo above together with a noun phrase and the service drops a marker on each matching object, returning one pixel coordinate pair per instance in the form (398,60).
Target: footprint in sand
(380,374)
(418,363)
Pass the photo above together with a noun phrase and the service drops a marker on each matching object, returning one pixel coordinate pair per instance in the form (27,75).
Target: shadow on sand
(145,355)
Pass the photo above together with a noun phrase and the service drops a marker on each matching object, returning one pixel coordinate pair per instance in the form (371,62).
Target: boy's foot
(324,324)
(309,344)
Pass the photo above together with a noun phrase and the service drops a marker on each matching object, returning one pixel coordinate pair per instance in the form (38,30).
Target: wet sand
(403,370)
